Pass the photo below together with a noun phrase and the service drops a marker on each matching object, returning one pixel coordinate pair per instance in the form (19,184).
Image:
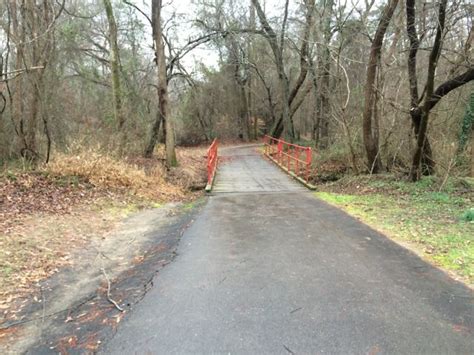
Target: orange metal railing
(294,158)
(211,161)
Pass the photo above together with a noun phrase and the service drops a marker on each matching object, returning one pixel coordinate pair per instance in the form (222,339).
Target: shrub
(468,216)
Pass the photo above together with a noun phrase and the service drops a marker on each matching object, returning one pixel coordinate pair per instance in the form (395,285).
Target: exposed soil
(71,310)
(51,216)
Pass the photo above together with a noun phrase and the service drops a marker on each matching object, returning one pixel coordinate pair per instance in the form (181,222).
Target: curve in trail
(280,272)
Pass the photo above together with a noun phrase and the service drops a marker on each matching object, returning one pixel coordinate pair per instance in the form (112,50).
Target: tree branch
(139,10)
(450,85)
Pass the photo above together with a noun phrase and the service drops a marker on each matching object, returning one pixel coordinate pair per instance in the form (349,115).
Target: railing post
(308,163)
(297,157)
(280,150)
(211,161)
(288,154)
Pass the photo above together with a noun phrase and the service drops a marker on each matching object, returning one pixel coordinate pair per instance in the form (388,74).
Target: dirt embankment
(61,224)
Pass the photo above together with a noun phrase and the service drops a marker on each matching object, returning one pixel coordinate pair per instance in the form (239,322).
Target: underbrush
(434,216)
(47,212)
(104,172)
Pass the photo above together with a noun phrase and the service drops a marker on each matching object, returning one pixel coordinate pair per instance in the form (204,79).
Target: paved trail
(268,269)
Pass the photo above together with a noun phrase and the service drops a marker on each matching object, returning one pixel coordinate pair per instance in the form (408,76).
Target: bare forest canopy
(378,85)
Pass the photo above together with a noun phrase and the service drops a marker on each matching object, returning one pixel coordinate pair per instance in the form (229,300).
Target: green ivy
(467,124)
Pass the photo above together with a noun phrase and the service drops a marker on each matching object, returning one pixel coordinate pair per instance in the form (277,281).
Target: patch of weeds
(10,175)
(425,183)
(189,205)
(439,197)
(196,203)
(68,180)
(125,210)
(380,184)
(468,216)
(460,259)
(336,198)
(7,270)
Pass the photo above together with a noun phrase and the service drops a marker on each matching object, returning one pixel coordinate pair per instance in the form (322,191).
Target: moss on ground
(436,222)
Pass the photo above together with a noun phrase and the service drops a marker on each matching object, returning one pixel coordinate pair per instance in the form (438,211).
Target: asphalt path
(267,268)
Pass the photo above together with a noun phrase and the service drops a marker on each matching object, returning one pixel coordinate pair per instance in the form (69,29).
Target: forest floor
(436,222)
(48,214)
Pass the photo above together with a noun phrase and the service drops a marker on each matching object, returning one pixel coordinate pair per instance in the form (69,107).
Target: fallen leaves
(47,214)
(34,192)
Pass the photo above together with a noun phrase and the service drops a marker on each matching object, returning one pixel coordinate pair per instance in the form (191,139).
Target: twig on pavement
(108,292)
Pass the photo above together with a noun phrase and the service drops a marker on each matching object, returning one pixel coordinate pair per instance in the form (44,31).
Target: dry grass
(103,171)
(47,214)
(191,172)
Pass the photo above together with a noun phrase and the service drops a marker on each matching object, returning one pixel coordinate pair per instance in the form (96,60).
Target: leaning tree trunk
(155,130)
(370,137)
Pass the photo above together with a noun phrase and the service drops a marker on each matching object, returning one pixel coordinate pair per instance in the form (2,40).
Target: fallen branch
(108,292)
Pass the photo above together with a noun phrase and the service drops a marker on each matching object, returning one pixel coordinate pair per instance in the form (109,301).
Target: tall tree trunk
(34,77)
(423,163)
(240,84)
(115,66)
(415,114)
(324,65)
(472,157)
(415,172)
(244,111)
(250,78)
(32,23)
(3,105)
(18,87)
(284,122)
(370,137)
(162,85)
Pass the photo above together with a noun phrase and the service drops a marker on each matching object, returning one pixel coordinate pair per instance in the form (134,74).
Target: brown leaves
(28,193)
(46,215)
(145,178)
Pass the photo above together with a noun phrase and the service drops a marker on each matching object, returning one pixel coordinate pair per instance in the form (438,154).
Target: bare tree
(115,65)
(423,163)
(324,75)
(277,45)
(369,134)
(162,87)
(32,33)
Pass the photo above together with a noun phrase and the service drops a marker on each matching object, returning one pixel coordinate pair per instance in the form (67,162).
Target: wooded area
(376,86)
(107,113)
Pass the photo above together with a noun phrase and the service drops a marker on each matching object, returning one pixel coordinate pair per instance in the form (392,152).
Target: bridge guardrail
(295,159)
(211,164)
